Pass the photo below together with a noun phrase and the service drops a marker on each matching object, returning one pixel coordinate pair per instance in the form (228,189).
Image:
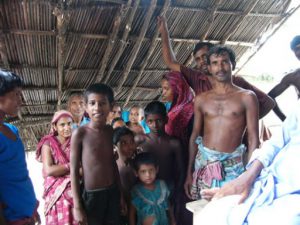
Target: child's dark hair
(144,158)
(201,45)
(99,88)
(156,107)
(295,42)
(120,132)
(9,81)
(219,50)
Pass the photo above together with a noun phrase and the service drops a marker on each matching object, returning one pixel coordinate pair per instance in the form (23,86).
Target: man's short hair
(156,107)
(201,45)
(295,42)
(99,88)
(120,132)
(219,50)
(9,81)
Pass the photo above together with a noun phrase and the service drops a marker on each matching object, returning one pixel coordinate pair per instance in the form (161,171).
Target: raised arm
(278,90)
(49,168)
(198,117)
(76,150)
(251,105)
(168,54)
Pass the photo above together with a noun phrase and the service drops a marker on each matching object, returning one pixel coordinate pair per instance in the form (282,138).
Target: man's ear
(157,169)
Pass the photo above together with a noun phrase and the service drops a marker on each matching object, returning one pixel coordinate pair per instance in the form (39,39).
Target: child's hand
(188,185)
(80,216)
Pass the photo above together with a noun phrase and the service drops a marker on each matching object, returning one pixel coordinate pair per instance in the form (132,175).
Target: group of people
(99,169)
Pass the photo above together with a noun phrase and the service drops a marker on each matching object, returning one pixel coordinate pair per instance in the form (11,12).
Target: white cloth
(275,196)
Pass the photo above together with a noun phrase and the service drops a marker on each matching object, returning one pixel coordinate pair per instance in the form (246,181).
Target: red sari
(57,190)
(182,108)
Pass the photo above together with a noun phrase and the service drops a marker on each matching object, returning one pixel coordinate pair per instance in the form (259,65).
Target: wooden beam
(3,53)
(147,57)
(123,42)
(182,8)
(63,20)
(112,39)
(37,88)
(137,44)
(26,66)
(132,38)
(234,28)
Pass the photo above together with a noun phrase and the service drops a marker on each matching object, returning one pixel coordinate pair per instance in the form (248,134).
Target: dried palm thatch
(59,46)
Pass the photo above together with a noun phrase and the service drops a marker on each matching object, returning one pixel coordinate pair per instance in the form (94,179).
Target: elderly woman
(54,152)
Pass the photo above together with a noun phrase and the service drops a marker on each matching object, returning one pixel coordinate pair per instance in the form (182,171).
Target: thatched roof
(60,46)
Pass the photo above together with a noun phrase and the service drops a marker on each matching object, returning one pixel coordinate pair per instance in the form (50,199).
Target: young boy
(92,148)
(166,149)
(136,115)
(123,140)
(18,203)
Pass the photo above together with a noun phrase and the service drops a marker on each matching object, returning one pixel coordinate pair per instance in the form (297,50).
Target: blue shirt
(16,189)
(84,121)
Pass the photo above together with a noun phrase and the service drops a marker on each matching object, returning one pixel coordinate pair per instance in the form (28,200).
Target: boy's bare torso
(164,149)
(97,159)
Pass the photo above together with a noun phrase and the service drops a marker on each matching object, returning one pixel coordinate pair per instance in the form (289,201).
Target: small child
(136,115)
(92,148)
(150,197)
(123,140)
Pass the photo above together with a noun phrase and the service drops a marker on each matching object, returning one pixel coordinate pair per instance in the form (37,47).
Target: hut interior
(60,46)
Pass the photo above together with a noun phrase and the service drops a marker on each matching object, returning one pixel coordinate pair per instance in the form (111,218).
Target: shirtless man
(221,116)
(199,77)
(288,80)
(92,147)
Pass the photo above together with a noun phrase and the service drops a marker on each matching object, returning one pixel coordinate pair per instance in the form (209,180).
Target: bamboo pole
(137,45)
(147,57)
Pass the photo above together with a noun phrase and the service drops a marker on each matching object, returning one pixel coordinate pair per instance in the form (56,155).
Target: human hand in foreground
(240,186)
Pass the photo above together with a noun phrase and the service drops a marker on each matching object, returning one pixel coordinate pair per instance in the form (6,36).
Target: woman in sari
(176,90)
(180,120)
(54,152)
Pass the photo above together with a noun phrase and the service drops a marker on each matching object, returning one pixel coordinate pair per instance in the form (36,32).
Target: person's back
(92,148)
